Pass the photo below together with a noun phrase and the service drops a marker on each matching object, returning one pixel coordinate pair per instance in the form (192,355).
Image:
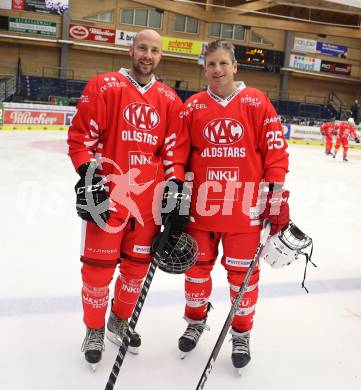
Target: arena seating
(7,87)
(40,88)
(300,109)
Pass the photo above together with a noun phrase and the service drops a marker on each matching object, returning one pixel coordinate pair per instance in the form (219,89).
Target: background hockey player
(237,141)
(344,131)
(328,130)
(123,120)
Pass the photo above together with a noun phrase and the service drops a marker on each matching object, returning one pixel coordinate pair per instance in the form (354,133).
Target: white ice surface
(300,341)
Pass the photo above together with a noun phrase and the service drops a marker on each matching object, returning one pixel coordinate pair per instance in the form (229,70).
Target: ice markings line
(55,305)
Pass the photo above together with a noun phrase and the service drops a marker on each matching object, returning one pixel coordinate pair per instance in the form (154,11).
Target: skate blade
(133,350)
(183,355)
(118,341)
(92,366)
(114,338)
(240,370)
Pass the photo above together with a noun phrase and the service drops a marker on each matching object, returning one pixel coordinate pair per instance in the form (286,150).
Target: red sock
(95,294)
(197,292)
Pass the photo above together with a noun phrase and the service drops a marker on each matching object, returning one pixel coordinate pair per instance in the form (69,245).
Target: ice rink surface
(300,341)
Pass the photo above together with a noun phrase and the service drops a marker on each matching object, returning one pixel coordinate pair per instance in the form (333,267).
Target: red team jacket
(235,143)
(344,131)
(131,128)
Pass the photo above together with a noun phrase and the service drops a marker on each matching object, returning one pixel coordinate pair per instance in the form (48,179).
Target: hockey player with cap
(120,139)
(344,131)
(239,160)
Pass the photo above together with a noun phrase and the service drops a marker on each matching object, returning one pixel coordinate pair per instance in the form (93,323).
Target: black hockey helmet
(177,254)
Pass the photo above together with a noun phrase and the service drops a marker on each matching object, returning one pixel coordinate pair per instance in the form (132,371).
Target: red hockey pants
(344,143)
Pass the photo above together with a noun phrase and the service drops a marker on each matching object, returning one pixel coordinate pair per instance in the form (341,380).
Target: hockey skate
(117,329)
(188,341)
(345,158)
(93,346)
(241,355)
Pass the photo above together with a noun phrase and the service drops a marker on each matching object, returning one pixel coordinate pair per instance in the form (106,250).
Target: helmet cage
(285,247)
(178,255)
(294,238)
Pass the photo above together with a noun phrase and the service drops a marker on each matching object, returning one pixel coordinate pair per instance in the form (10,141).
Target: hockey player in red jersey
(344,131)
(123,124)
(328,130)
(237,151)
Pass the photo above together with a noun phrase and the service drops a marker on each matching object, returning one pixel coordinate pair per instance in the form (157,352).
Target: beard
(138,69)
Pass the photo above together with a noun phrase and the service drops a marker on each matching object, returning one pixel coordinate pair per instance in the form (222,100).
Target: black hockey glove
(357,140)
(92,200)
(175,205)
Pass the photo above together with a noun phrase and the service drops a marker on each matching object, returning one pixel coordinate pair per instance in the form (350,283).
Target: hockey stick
(137,309)
(264,236)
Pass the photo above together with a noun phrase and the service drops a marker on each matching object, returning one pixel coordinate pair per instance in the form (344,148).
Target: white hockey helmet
(351,121)
(283,248)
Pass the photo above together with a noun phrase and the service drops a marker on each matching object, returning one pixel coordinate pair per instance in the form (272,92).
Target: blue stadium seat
(184,94)
(40,88)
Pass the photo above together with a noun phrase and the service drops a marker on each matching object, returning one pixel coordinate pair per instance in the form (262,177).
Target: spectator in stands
(355,111)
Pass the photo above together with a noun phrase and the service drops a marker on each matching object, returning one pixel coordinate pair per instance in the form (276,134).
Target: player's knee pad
(134,268)
(97,276)
(201,269)
(236,278)
(128,286)
(132,273)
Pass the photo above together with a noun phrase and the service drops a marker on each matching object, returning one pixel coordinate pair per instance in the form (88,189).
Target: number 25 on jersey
(275,139)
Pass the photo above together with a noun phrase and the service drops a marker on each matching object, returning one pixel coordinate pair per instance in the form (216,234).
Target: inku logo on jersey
(223,131)
(142,116)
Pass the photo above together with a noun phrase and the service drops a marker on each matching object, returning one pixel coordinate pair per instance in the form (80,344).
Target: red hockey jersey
(328,129)
(344,131)
(236,143)
(128,129)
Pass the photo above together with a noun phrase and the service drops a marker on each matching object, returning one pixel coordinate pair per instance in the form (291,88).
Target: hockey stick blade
(137,309)
(217,347)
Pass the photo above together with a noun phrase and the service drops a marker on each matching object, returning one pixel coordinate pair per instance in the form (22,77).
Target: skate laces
(120,326)
(94,340)
(240,343)
(194,330)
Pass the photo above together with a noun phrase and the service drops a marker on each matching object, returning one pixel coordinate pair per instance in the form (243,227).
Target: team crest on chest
(223,131)
(142,116)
